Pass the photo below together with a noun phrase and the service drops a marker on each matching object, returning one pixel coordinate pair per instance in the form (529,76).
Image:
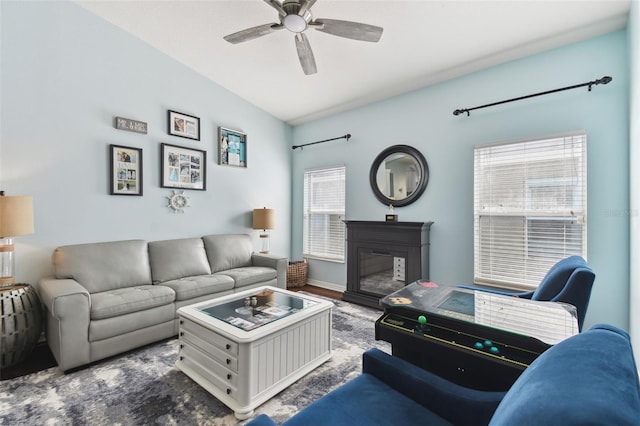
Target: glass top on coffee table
(251,310)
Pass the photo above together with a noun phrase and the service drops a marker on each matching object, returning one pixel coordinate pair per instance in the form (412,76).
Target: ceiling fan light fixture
(295,23)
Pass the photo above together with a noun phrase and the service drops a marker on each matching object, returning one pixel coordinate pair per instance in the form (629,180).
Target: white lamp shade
(16,215)
(264,218)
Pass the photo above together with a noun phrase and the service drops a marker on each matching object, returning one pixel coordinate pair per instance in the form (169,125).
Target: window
(530,201)
(324,200)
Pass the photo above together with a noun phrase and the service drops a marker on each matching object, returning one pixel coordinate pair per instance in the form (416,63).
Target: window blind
(530,202)
(324,206)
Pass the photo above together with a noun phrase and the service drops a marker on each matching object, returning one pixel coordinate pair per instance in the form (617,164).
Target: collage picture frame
(183,167)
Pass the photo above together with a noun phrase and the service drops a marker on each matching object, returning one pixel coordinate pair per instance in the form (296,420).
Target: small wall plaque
(131,125)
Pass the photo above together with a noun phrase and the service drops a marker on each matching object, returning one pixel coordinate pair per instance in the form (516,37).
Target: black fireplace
(383,257)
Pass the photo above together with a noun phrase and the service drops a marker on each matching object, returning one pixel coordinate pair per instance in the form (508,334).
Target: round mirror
(399,175)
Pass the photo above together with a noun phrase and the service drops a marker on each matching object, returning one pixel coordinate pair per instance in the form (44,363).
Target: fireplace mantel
(382,257)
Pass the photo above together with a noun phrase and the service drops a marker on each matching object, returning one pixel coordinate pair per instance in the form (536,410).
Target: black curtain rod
(603,80)
(347,136)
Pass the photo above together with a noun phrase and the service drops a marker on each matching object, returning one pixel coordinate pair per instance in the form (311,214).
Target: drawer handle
(181,322)
(228,361)
(182,333)
(181,357)
(228,391)
(181,346)
(228,346)
(228,376)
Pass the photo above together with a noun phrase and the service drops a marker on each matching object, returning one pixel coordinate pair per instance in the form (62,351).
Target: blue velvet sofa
(588,379)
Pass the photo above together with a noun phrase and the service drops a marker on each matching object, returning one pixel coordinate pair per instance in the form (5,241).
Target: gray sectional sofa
(111,297)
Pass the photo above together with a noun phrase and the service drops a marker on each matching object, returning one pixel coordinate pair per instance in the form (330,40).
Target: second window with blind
(530,204)
(324,209)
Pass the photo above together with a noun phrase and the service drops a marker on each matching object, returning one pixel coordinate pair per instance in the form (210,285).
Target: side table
(20,322)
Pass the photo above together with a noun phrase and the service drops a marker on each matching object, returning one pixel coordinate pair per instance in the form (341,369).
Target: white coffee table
(246,347)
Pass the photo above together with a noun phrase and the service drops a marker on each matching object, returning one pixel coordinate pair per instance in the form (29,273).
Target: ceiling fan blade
(251,33)
(305,54)
(306,5)
(349,29)
(277,6)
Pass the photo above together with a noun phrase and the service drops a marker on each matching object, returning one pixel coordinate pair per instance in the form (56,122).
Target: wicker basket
(297,274)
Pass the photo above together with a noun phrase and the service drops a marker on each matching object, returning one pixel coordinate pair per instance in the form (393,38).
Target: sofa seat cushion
(121,325)
(191,287)
(249,275)
(365,400)
(173,259)
(127,300)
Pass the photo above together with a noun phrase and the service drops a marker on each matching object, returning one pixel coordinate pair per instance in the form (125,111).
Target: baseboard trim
(327,285)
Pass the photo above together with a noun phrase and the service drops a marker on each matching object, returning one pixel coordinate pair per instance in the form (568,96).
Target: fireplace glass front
(381,273)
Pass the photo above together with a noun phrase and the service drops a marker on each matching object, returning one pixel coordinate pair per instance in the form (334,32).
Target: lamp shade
(16,215)
(264,218)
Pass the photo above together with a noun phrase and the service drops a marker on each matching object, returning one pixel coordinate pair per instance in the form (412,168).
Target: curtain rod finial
(605,80)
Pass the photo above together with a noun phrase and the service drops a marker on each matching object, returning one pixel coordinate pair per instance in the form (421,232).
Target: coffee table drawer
(214,352)
(224,374)
(205,377)
(228,346)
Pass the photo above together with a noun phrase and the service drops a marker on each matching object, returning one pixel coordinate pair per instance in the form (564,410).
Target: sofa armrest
(67,305)
(589,378)
(278,263)
(50,289)
(438,395)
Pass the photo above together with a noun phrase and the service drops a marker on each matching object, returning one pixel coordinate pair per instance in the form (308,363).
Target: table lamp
(264,219)
(16,218)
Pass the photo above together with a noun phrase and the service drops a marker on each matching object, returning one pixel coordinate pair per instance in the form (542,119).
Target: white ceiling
(424,42)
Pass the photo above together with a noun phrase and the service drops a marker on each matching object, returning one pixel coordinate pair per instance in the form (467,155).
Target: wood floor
(319,291)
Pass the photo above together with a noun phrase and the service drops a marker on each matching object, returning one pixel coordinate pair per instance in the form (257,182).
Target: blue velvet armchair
(570,281)
(590,378)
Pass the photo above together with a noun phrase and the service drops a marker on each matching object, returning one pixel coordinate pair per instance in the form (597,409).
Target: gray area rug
(143,387)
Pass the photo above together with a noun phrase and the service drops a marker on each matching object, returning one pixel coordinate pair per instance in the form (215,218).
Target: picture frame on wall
(184,168)
(184,125)
(125,170)
(232,147)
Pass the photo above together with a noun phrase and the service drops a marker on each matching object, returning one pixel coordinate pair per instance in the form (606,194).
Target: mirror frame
(424,175)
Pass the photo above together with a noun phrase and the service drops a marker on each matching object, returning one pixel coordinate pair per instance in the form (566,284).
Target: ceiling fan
(295,16)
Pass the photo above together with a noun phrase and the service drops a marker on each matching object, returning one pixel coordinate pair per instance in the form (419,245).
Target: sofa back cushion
(104,266)
(173,259)
(228,251)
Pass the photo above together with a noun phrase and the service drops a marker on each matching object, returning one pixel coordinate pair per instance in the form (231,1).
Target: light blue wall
(65,75)
(424,119)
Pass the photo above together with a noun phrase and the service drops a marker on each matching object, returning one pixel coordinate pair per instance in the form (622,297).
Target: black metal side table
(20,322)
